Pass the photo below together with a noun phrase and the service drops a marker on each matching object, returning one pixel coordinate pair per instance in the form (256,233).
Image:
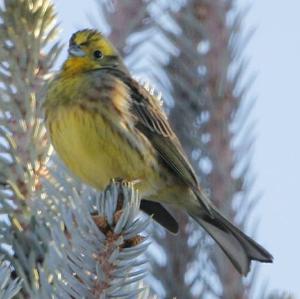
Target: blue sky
(275,56)
(274,53)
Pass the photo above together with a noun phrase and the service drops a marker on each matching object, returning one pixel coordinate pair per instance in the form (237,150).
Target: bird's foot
(124,182)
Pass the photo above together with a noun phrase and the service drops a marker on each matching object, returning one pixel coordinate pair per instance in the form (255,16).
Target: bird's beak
(76,51)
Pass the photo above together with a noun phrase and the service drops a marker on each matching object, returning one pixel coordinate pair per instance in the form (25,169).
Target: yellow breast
(96,151)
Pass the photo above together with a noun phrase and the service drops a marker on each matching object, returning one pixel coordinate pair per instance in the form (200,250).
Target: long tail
(239,248)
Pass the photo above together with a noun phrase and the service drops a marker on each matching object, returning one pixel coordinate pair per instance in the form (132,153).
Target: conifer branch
(26,57)
(25,31)
(99,243)
(8,287)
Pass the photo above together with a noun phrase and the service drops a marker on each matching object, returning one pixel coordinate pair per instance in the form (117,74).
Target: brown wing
(153,123)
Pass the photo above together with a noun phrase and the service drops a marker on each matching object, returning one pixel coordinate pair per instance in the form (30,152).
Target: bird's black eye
(98,54)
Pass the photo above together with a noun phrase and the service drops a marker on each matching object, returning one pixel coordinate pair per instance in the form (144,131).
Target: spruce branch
(96,243)
(27,29)
(8,287)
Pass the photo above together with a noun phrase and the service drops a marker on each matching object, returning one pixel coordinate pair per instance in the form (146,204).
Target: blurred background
(228,71)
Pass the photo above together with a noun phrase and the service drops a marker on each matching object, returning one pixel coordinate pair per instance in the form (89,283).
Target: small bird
(104,124)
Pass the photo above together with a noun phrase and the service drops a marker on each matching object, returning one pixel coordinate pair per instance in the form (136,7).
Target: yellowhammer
(105,125)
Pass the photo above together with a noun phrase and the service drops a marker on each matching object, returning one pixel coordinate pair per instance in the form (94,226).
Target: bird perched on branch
(104,125)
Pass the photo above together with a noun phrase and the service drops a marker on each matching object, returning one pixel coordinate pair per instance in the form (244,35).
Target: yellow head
(90,50)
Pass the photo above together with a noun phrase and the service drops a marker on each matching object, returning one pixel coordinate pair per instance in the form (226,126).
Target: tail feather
(239,248)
